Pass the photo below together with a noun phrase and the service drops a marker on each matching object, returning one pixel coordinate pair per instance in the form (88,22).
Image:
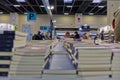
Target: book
(58,76)
(24,76)
(3,74)
(6,53)
(59,72)
(5,57)
(94,73)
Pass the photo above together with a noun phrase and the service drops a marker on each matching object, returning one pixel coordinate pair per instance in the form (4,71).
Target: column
(14,19)
(112,6)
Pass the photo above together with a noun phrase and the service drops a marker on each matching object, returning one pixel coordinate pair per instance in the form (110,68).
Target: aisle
(59,65)
(59,48)
(61,62)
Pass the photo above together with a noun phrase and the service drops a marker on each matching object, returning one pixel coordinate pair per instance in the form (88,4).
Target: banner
(78,19)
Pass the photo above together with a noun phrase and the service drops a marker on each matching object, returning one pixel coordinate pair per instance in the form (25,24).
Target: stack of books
(94,63)
(59,66)
(8,41)
(116,65)
(27,62)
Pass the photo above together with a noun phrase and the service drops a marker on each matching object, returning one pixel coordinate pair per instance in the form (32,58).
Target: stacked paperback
(94,63)
(8,41)
(27,62)
(59,66)
(116,64)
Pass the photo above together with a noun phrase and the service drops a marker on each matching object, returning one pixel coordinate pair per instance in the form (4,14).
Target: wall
(95,21)
(41,20)
(4,18)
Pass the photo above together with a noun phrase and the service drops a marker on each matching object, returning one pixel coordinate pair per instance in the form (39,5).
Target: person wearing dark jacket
(76,36)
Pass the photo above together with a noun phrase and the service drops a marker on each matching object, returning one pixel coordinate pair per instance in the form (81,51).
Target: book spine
(9,32)
(3,74)
(6,46)
(5,49)
(5,57)
(4,66)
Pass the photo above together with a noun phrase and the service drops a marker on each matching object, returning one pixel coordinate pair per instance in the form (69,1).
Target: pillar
(14,19)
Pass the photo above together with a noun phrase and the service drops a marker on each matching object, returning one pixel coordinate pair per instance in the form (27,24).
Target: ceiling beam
(15,7)
(39,6)
(99,10)
(22,6)
(104,11)
(80,6)
(94,8)
(55,1)
(88,5)
(46,4)
(2,5)
(4,9)
(72,6)
(63,8)
(30,5)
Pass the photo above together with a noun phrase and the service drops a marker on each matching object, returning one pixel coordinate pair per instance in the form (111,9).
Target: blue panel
(31,16)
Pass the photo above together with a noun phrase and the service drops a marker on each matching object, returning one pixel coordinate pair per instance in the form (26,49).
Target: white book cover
(4,61)
(59,71)
(95,66)
(93,62)
(26,73)
(4,69)
(25,69)
(6,53)
(97,51)
(93,77)
(24,76)
(95,73)
(94,59)
(28,57)
(31,53)
(59,76)
(94,55)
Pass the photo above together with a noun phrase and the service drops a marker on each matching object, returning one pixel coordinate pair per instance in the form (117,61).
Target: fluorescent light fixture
(68,1)
(91,13)
(101,6)
(55,26)
(16,5)
(66,13)
(25,13)
(51,7)
(69,6)
(20,0)
(54,21)
(42,6)
(1,12)
(97,1)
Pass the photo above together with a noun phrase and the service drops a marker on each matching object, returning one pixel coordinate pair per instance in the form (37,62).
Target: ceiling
(78,6)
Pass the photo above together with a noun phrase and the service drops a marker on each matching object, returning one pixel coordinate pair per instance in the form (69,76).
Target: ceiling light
(20,0)
(97,1)
(42,6)
(54,21)
(51,7)
(101,6)
(91,13)
(1,12)
(66,13)
(68,1)
(25,13)
(69,6)
(16,5)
